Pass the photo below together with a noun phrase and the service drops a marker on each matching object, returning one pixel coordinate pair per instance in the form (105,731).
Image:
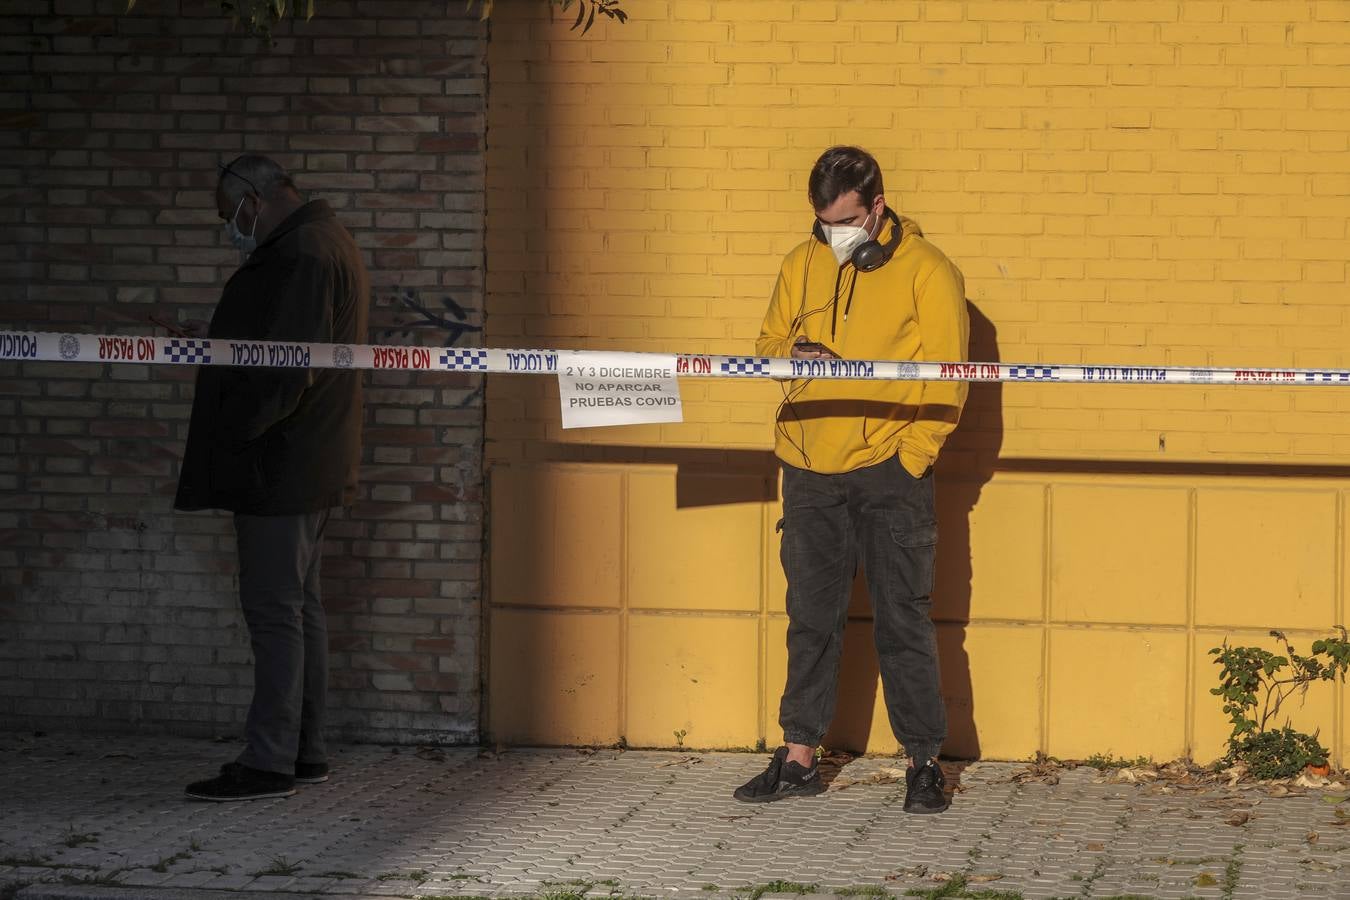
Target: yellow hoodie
(912,308)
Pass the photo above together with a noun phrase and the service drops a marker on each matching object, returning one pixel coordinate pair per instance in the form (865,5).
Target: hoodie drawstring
(834,303)
(848,304)
(851,287)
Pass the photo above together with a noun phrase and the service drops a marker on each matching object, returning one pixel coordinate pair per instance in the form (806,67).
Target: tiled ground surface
(105,817)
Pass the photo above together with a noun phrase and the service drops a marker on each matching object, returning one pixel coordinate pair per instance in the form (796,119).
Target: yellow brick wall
(1121,181)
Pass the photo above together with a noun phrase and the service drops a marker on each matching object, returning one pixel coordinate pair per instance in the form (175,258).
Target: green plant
(280,866)
(1254,684)
(1281,753)
(164,864)
(106,879)
(586,10)
(956,887)
(1103,762)
(73,838)
(258,16)
(780,887)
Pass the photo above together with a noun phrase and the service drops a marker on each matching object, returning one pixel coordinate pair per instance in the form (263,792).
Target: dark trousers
(279,560)
(885,518)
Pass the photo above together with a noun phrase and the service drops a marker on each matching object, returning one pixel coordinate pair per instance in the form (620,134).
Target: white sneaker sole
(266,795)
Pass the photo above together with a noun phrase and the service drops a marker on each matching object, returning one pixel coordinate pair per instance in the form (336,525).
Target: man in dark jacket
(279,448)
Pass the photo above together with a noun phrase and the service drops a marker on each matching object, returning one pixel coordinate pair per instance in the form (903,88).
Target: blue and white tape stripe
(90,348)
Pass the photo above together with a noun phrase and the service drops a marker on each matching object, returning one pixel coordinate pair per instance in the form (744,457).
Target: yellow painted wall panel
(1265,558)
(556,536)
(1117,691)
(554,677)
(701,550)
(699,675)
(993,685)
(1119,554)
(991,551)
(775,677)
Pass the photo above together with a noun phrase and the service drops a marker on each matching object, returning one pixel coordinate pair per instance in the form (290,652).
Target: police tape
(89,348)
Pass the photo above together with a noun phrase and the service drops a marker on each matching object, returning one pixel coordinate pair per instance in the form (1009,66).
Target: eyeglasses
(226,170)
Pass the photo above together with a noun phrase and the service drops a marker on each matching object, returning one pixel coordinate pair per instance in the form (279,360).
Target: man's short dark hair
(252,173)
(841,170)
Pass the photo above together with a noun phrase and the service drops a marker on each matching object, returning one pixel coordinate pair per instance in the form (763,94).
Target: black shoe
(311,773)
(924,785)
(782,779)
(239,782)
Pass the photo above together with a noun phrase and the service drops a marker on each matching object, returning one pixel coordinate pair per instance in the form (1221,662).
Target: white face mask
(244,243)
(844,239)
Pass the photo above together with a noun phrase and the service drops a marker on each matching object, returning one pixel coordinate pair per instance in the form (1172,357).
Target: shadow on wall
(968,461)
(712,477)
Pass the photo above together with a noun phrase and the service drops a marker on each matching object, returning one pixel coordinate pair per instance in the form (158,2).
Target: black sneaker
(239,782)
(923,789)
(782,779)
(311,773)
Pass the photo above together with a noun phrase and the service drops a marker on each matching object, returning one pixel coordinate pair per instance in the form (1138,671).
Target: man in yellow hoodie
(857,466)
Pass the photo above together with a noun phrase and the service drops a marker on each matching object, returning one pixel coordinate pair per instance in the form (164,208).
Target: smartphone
(814,347)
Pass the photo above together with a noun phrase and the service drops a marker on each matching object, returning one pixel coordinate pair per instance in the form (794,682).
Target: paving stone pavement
(104,817)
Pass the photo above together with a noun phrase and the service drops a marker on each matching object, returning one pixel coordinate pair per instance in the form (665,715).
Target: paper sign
(617,389)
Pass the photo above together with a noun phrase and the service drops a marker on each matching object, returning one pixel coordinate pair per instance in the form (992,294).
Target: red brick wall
(115,611)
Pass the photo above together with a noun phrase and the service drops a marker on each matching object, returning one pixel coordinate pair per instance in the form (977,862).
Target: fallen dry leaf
(911,872)
(981,879)
(685,761)
(1095,845)
(884,775)
(1043,770)
(836,758)
(1239,818)
(1226,802)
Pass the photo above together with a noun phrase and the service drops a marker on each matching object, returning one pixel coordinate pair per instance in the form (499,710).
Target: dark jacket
(272,441)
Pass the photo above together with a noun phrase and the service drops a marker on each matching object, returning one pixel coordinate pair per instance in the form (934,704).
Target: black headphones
(870,255)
